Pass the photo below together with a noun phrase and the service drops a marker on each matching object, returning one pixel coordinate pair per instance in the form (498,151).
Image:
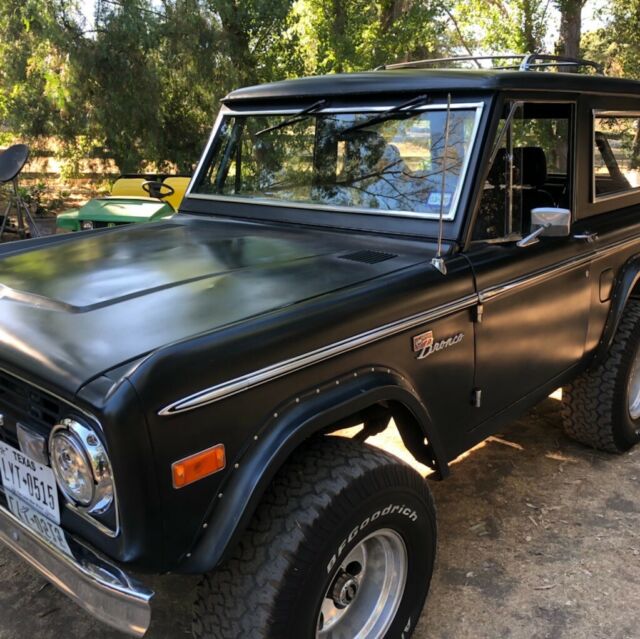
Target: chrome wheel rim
(634,388)
(365,590)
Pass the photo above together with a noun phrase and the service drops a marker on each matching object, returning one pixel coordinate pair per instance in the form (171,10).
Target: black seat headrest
(497,176)
(532,162)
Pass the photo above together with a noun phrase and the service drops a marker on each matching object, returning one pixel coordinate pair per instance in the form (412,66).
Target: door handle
(587,236)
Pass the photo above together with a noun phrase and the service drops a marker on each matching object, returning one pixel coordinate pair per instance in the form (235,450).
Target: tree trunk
(238,42)
(570,27)
(530,37)
(390,12)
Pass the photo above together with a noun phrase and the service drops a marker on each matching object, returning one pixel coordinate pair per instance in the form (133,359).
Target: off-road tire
(595,406)
(329,496)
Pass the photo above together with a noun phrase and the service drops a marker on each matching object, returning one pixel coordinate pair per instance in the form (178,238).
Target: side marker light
(198,466)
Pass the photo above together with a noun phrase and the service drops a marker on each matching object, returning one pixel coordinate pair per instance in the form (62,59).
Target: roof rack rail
(514,62)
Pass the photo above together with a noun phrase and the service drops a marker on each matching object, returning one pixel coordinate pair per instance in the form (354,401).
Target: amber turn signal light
(198,466)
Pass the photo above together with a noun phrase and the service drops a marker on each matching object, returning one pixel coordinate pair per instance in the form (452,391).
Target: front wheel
(341,547)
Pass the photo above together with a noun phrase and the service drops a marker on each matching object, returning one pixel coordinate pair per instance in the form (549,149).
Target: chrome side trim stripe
(530,280)
(275,371)
(561,267)
(617,246)
(269,373)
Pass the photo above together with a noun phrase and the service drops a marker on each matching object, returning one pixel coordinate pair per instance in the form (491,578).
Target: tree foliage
(618,44)
(32,66)
(141,80)
(337,36)
(503,25)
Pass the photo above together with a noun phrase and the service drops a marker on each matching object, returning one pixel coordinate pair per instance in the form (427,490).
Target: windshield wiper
(406,109)
(297,117)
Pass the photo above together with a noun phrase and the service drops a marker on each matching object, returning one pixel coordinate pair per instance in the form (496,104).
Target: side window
(616,153)
(531,169)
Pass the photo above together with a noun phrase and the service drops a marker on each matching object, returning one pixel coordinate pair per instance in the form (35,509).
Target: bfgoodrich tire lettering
(332,496)
(595,407)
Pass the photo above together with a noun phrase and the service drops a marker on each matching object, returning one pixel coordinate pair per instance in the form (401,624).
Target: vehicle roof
(410,81)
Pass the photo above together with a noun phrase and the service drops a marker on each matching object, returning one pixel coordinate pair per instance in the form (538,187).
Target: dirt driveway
(539,538)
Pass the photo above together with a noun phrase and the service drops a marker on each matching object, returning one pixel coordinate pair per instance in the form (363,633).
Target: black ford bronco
(437,247)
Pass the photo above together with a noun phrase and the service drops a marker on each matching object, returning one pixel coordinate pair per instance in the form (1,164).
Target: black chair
(12,161)
(532,163)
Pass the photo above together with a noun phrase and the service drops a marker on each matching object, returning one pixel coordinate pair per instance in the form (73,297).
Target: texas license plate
(41,525)
(29,480)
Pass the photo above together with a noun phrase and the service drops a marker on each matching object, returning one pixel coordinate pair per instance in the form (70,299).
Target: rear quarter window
(616,153)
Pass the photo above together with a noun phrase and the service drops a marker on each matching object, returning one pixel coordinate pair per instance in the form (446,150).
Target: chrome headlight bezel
(103,494)
(71,468)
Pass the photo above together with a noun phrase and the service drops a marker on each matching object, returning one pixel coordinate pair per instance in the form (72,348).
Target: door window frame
(502,108)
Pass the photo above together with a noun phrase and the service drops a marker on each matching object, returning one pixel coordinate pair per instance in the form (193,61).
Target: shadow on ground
(539,539)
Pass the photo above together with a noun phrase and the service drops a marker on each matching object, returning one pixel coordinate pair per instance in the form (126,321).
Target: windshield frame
(229,111)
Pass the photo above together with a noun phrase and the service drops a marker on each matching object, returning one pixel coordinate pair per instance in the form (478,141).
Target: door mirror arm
(532,238)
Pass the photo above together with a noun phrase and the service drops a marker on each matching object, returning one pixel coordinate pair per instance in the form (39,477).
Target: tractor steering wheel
(158,190)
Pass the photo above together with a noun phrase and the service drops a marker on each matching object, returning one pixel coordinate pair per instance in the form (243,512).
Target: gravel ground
(539,538)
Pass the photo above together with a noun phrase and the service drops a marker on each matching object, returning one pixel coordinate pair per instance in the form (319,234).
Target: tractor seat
(132,186)
(179,184)
(128,186)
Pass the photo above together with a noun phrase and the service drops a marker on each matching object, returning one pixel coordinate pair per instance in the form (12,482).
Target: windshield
(343,161)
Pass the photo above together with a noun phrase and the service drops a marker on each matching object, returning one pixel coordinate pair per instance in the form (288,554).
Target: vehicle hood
(77,306)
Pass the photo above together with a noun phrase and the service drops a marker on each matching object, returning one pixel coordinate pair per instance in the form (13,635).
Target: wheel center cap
(345,590)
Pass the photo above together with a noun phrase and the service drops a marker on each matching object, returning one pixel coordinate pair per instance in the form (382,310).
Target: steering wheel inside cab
(156,189)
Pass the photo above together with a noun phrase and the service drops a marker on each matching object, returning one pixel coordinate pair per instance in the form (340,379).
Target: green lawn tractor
(134,199)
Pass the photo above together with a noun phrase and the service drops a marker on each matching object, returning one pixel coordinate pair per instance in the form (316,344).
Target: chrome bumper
(97,585)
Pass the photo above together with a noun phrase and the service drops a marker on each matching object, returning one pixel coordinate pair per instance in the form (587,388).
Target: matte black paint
(531,333)
(236,421)
(123,322)
(401,81)
(623,289)
(281,435)
(71,311)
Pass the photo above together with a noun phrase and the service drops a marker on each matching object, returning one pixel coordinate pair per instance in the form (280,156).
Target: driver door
(535,299)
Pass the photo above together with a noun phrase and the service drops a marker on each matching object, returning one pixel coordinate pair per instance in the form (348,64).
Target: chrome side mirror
(549,222)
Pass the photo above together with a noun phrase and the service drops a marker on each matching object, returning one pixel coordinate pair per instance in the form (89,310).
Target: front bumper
(97,585)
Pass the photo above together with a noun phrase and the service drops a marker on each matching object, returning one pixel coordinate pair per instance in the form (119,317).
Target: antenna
(438,260)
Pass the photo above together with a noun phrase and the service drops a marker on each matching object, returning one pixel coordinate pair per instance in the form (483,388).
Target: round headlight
(71,467)
(86,225)
(81,466)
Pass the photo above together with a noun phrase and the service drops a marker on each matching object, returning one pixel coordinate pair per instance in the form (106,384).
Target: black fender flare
(626,281)
(286,429)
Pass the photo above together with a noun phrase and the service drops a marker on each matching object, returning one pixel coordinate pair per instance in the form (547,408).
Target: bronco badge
(424,344)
